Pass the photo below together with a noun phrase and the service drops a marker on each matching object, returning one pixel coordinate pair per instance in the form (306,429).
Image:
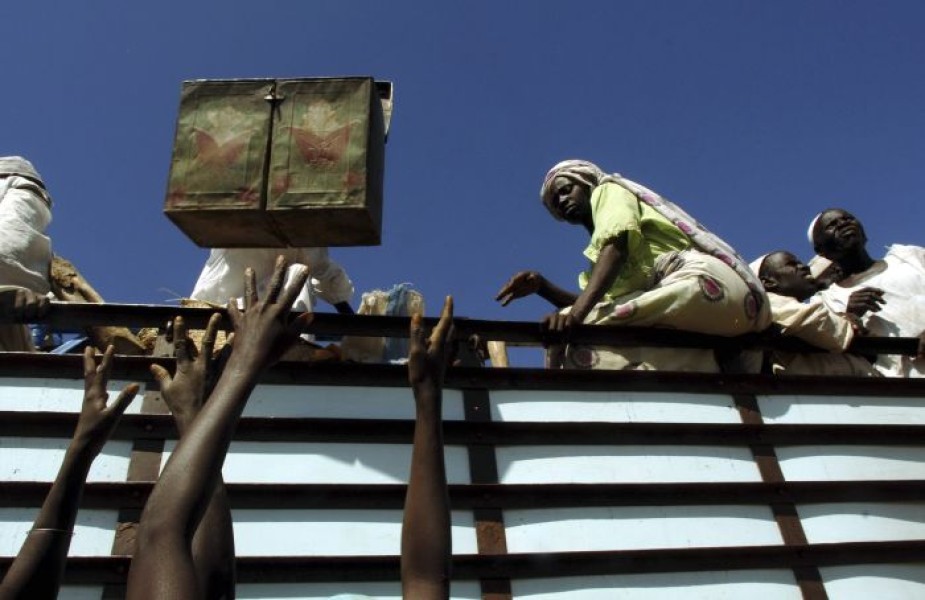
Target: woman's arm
(605,271)
(527,283)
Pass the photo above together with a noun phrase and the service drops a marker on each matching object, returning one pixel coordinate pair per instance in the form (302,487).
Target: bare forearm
(609,264)
(195,465)
(37,570)
(555,295)
(426,541)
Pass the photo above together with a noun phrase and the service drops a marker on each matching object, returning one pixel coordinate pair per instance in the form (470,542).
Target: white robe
(25,250)
(903,311)
(222,276)
(813,323)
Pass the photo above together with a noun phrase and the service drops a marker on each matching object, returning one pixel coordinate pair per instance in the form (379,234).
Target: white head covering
(755,265)
(17,165)
(812,226)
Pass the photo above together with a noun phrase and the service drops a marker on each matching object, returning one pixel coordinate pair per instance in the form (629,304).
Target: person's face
(570,201)
(838,231)
(784,274)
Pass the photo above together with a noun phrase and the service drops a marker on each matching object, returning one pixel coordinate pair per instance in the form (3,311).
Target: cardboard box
(274,163)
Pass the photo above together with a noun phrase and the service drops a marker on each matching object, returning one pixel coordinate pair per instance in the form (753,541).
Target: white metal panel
(94,531)
(296,462)
(343,402)
(459,590)
(880,582)
(260,532)
(569,406)
(863,522)
(859,463)
(639,527)
(54,395)
(842,410)
(39,459)
(710,585)
(615,464)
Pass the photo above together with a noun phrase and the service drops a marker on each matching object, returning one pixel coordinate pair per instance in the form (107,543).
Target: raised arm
(163,564)
(184,393)
(37,570)
(425,539)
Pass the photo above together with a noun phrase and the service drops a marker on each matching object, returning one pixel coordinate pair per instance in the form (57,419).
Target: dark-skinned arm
(610,262)
(163,566)
(527,283)
(184,393)
(37,570)
(426,545)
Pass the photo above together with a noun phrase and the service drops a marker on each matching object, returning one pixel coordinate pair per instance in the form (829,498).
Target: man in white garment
(25,250)
(893,288)
(222,276)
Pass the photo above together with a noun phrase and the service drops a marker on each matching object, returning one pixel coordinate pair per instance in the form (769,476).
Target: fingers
(505,299)
(297,275)
(438,336)
(183,349)
(234,313)
(106,364)
(416,331)
(208,340)
(161,374)
(89,362)
(125,398)
(250,288)
(277,280)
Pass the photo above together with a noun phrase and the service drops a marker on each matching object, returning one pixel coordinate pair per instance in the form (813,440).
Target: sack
(400,301)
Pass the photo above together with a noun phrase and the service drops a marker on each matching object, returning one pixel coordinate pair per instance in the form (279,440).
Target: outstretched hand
(525,283)
(97,419)
(865,300)
(427,357)
(184,393)
(263,331)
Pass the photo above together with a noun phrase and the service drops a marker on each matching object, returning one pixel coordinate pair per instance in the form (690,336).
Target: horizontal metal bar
(136,368)
(75,317)
(304,569)
(278,496)
(399,431)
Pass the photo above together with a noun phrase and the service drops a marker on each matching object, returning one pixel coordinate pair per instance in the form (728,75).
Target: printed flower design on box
(222,138)
(320,136)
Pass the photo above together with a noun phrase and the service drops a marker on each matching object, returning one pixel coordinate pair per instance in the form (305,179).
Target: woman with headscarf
(652,264)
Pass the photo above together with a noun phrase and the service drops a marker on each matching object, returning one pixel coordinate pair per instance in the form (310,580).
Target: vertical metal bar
(483,468)
(785,513)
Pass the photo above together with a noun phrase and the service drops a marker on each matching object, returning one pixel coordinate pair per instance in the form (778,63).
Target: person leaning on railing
(799,313)
(651,265)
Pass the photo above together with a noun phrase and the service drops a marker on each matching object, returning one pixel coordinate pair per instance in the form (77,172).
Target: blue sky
(751,115)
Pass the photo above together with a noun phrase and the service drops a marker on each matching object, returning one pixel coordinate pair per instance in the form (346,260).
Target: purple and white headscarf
(591,175)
